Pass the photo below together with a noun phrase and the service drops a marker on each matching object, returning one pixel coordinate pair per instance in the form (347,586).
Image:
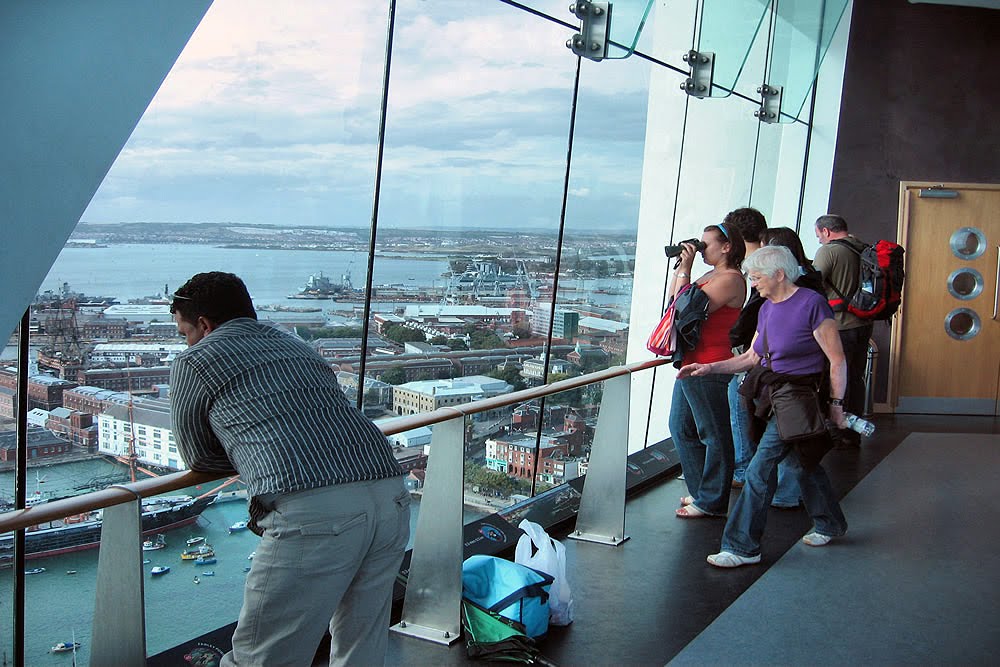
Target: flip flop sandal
(690,512)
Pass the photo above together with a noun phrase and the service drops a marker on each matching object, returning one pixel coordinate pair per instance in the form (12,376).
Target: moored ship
(319,286)
(83,531)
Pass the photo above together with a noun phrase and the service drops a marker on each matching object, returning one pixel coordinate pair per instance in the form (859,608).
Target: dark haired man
(752,226)
(326,493)
(840,265)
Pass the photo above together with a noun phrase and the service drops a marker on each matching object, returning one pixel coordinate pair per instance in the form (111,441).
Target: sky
(271,113)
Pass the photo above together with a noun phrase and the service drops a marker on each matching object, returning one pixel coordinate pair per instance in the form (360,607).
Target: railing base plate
(610,540)
(435,635)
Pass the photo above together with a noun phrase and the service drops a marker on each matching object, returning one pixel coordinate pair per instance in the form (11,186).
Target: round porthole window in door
(962,324)
(965,284)
(968,243)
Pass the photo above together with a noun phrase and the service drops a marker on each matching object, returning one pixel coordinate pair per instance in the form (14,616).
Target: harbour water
(133,271)
(59,604)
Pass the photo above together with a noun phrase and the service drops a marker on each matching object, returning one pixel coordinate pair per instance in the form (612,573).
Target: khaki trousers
(327,560)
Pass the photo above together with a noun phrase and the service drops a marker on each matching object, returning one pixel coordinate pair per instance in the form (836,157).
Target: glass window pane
(802,32)
(256,156)
(729,29)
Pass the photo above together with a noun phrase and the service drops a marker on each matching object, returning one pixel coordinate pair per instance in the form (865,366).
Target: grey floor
(915,582)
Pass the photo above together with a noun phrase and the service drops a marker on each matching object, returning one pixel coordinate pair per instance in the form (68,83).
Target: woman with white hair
(796,337)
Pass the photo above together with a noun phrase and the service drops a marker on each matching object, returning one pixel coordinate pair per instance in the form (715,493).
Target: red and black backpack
(880,281)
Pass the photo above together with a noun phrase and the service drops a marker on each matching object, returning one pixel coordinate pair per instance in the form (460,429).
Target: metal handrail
(124,493)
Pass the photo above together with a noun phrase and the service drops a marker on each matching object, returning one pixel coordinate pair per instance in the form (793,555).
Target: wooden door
(948,359)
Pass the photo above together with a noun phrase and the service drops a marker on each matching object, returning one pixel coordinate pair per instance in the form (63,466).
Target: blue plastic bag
(514,591)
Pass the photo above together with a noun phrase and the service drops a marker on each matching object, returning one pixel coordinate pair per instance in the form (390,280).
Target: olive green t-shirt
(840,266)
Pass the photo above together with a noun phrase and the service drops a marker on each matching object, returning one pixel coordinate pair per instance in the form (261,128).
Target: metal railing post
(602,508)
(119,628)
(432,606)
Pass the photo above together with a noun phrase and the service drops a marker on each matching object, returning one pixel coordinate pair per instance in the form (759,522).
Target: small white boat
(210,573)
(36,570)
(197,580)
(252,554)
(195,540)
(65,647)
(146,561)
(238,526)
(70,571)
(154,545)
(159,569)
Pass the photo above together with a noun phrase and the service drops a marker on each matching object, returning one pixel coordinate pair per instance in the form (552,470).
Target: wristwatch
(837,401)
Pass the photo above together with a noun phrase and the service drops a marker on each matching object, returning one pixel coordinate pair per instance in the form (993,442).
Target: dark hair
(216,296)
(749,221)
(732,236)
(834,223)
(784,236)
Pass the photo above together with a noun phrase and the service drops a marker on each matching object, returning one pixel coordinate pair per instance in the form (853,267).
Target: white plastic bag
(539,551)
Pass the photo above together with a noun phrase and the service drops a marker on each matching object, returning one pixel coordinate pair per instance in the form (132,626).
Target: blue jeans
(739,420)
(746,523)
(787,493)
(699,426)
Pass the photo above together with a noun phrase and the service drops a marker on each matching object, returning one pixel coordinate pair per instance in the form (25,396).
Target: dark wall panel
(921,102)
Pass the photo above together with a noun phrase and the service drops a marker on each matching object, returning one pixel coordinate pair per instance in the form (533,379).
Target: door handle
(996,286)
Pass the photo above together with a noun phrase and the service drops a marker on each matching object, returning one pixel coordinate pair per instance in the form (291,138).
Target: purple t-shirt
(790,325)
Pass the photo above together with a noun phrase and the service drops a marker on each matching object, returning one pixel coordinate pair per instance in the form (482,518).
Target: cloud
(271,114)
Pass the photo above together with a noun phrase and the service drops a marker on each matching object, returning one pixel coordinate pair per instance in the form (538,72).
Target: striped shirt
(254,400)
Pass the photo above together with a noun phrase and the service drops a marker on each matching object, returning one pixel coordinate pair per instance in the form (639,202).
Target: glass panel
(728,29)
(598,260)
(777,177)
(8,408)
(256,156)
(803,30)
(469,211)
(628,18)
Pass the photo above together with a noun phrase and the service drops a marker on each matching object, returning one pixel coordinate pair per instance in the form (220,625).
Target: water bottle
(859,425)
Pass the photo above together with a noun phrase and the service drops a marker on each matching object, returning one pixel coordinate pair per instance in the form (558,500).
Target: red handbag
(663,341)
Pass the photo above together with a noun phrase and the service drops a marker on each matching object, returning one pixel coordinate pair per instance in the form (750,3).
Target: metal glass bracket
(595,22)
(770,103)
(699,81)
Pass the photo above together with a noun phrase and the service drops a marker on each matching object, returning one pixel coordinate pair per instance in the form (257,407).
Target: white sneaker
(815,539)
(729,559)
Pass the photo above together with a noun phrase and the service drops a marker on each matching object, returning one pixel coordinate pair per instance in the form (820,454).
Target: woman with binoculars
(699,411)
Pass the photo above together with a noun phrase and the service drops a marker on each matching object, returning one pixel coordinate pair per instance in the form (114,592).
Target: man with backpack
(839,260)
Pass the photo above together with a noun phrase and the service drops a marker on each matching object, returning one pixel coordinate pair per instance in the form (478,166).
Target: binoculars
(675,250)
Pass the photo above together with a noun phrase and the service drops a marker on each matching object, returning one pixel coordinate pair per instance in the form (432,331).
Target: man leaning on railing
(326,493)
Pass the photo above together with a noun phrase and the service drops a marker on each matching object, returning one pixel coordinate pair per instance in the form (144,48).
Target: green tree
(483,339)
(510,375)
(394,375)
(312,333)
(401,334)
(572,397)
(457,344)
(438,340)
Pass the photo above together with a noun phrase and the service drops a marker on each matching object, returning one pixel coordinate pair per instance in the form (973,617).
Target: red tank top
(714,345)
